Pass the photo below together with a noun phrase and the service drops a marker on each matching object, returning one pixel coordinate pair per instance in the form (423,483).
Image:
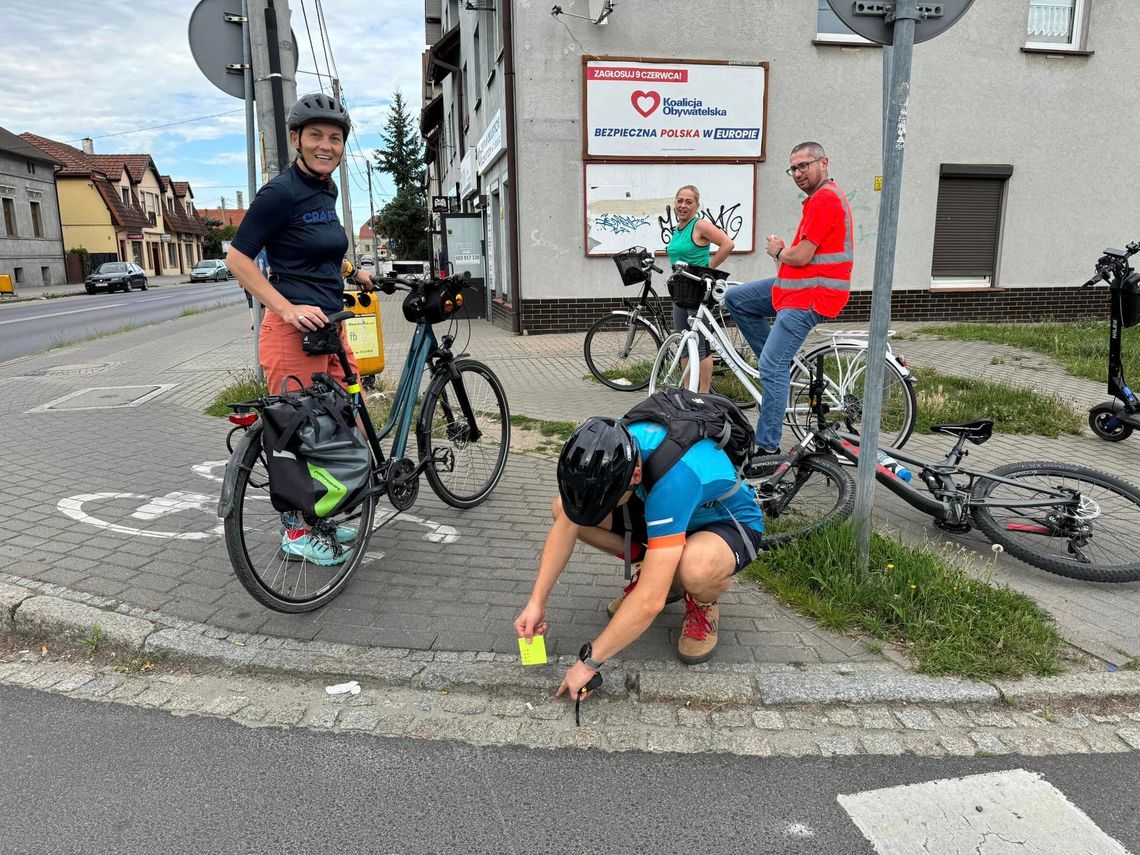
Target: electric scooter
(1115,420)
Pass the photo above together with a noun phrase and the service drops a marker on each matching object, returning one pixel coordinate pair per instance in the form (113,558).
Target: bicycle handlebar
(1110,259)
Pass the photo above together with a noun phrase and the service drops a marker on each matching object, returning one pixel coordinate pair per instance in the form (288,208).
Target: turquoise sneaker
(345,534)
(313,550)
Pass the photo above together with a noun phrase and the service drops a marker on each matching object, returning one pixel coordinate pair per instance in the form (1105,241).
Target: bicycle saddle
(976,432)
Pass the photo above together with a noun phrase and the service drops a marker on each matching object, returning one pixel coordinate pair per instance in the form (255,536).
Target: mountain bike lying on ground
(620,347)
(463,436)
(845,364)
(1067,519)
(1116,419)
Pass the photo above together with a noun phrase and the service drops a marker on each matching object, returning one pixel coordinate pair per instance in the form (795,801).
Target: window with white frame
(1056,24)
(828,28)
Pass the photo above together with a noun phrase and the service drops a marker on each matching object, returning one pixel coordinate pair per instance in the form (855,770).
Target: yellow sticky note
(533,653)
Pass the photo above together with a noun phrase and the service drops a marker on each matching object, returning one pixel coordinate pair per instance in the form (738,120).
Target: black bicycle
(463,435)
(620,347)
(1067,519)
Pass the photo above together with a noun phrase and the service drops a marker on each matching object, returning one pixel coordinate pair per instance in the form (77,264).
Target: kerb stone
(672,685)
(871,688)
(1044,690)
(42,615)
(10,597)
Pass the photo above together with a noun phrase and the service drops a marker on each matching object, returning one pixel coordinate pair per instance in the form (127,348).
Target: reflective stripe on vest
(822,259)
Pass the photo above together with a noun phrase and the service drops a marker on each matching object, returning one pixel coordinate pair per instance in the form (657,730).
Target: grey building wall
(1067,124)
(29,253)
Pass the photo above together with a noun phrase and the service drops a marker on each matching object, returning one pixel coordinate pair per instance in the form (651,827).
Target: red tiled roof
(230,216)
(74,161)
(113,164)
(124,216)
(366,232)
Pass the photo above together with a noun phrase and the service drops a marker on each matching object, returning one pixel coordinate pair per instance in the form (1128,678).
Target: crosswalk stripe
(1013,811)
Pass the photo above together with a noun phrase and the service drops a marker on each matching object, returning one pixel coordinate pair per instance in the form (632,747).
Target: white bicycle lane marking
(151,508)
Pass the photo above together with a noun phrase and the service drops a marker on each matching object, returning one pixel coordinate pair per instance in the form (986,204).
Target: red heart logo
(639,98)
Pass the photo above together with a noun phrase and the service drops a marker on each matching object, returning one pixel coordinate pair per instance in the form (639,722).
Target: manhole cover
(104,398)
(77,368)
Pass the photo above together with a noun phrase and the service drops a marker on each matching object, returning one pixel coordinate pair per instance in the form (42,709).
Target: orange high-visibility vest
(824,283)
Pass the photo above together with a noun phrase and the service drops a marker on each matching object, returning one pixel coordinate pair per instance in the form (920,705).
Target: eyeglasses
(801,167)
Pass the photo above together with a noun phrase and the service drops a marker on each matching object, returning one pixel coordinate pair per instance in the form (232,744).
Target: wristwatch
(586,654)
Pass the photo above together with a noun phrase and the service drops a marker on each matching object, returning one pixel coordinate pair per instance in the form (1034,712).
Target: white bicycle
(845,363)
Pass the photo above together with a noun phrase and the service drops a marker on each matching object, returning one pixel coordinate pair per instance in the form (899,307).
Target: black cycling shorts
(726,530)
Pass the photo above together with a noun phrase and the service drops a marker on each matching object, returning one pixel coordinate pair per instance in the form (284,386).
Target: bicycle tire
(1104,551)
(725,381)
(253,536)
(845,368)
(621,345)
(670,372)
(816,493)
(444,435)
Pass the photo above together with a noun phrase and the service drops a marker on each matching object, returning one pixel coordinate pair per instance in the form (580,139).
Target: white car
(209,268)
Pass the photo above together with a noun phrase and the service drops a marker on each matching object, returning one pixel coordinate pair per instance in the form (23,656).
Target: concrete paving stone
(508,707)
(346,634)
(549,709)
(226,705)
(684,743)
(875,687)
(802,720)
(623,715)
(881,743)
(877,718)
(541,734)
(144,597)
(957,744)
(838,746)
(692,717)
(322,716)
(1131,736)
(741,745)
(768,720)
(731,718)
(988,743)
(991,718)
(1027,719)
(71,683)
(1043,742)
(842,718)
(694,686)
(151,696)
(657,715)
(916,718)
(359,719)
(10,597)
(1073,721)
(1106,719)
(253,713)
(464,704)
(101,686)
(951,717)
(465,641)
(1103,741)
(187,702)
(286,716)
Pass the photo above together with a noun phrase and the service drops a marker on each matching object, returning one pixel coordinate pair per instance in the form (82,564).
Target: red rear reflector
(1026,527)
(243,419)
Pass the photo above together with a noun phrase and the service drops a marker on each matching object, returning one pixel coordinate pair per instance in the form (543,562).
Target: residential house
(31,236)
(184,226)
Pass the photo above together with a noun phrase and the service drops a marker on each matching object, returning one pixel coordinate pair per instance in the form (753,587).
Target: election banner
(673,109)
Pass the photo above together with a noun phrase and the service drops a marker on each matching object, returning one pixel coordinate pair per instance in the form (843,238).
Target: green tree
(402,155)
(215,234)
(404,221)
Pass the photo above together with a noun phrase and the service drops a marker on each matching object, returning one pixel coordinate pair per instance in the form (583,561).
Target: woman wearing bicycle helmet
(294,219)
(690,242)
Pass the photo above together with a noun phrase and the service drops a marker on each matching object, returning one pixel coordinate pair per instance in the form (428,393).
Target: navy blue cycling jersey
(293,218)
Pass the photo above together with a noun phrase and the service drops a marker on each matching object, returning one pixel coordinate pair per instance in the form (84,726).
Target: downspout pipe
(512,165)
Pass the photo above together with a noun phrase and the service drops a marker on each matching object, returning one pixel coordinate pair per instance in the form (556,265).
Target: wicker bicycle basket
(688,293)
(629,264)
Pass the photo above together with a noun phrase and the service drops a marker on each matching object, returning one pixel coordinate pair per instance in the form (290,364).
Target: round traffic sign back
(867,18)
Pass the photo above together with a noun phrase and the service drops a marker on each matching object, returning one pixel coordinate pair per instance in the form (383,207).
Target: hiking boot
(314,550)
(698,631)
(675,592)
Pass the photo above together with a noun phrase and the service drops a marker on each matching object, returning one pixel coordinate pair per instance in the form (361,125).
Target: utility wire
(312,49)
(156,127)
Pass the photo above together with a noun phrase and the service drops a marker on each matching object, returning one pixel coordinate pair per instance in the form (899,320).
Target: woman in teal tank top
(691,243)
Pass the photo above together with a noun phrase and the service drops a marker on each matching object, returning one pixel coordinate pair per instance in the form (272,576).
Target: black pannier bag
(1129,296)
(318,462)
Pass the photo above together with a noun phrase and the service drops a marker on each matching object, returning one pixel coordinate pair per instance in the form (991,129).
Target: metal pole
(345,204)
(372,215)
(251,163)
(888,59)
(274,89)
(906,13)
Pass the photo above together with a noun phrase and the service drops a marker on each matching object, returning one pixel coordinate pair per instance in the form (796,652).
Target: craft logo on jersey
(327,216)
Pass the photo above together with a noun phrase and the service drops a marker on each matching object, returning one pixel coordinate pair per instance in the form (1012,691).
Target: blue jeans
(750,305)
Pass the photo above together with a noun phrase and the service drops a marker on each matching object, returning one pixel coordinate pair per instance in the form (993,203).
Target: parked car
(116,276)
(210,268)
(367,261)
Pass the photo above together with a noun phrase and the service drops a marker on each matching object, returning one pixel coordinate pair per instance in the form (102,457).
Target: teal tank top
(682,248)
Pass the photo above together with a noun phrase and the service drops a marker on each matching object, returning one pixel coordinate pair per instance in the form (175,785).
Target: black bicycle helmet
(594,469)
(318,107)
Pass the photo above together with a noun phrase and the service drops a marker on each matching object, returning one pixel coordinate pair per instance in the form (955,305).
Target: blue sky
(108,68)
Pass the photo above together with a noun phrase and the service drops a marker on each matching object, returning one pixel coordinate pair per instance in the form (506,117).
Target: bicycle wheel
(254,534)
(725,381)
(467,458)
(1095,538)
(815,493)
(845,367)
(620,349)
(673,369)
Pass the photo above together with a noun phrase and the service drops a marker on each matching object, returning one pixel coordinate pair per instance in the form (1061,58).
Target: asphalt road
(81,776)
(35,325)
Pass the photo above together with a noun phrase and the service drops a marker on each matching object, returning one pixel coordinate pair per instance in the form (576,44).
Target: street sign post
(898,24)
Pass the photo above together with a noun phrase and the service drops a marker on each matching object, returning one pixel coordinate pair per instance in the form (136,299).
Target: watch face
(586,651)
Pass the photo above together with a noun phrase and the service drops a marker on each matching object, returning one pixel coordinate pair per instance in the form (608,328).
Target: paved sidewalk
(83,482)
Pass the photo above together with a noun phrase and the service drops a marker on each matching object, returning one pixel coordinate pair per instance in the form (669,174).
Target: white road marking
(999,812)
(60,314)
(73,507)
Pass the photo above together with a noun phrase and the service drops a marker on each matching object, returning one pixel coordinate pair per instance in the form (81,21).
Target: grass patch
(246,387)
(546,427)
(951,622)
(1080,347)
(190,311)
(1014,409)
(67,342)
(635,373)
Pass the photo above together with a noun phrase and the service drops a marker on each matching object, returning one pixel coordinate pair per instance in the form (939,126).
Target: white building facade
(570,137)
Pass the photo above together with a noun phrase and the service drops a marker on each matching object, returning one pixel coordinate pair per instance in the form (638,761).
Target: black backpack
(689,417)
